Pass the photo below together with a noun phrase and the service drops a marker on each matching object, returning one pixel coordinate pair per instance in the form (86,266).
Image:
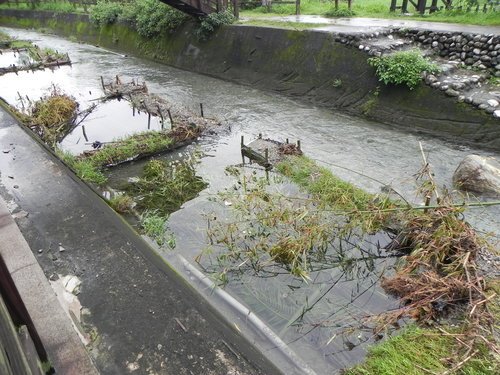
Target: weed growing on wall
(210,23)
(402,68)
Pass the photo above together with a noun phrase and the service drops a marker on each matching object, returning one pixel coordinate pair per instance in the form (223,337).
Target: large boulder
(478,174)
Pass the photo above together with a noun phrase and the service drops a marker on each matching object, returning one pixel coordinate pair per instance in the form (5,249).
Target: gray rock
(458,86)
(483,106)
(461,98)
(492,103)
(451,92)
(478,174)
(434,44)
(430,79)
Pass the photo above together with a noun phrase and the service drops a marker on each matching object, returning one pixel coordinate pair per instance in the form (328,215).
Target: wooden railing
(270,3)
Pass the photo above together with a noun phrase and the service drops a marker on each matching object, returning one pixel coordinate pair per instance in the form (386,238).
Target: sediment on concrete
(311,66)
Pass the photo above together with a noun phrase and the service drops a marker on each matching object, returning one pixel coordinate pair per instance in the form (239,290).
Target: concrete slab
(65,350)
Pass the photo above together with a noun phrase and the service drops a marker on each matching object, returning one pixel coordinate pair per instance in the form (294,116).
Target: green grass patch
(418,351)
(89,166)
(375,9)
(154,225)
(121,203)
(165,187)
(335,193)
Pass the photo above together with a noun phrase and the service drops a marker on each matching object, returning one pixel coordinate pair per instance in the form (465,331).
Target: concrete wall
(307,65)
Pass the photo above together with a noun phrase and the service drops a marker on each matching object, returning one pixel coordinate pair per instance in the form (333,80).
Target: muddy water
(366,153)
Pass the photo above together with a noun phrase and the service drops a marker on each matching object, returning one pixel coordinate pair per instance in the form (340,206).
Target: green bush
(154,18)
(405,67)
(105,12)
(149,17)
(212,22)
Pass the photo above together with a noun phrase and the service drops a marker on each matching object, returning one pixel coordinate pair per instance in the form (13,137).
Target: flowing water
(314,317)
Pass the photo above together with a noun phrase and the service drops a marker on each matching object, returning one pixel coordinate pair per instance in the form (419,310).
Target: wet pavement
(138,313)
(364,25)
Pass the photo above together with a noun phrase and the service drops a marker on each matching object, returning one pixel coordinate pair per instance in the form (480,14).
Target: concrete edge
(66,352)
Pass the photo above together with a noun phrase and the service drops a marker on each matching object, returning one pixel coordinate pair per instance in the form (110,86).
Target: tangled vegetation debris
(51,117)
(165,187)
(32,57)
(141,100)
(437,271)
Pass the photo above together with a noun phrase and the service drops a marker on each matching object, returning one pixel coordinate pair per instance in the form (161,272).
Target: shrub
(105,12)
(154,18)
(212,22)
(405,67)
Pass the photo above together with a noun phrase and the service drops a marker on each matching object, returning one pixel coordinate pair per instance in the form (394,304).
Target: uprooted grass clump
(122,203)
(52,116)
(166,187)
(89,165)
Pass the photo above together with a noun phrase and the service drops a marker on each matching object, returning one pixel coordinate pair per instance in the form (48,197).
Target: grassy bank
(364,8)
(375,9)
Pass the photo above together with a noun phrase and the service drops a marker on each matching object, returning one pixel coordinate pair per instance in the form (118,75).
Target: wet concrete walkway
(363,25)
(138,314)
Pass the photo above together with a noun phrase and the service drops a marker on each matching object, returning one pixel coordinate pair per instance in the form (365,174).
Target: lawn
(377,9)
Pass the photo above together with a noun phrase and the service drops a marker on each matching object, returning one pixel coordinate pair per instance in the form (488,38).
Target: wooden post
(298,144)
(149,120)
(404,7)
(297,7)
(102,82)
(84,133)
(349,4)
(236,9)
(393,5)
(242,153)
(201,109)
(336,4)
(434,6)
(160,114)
(171,120)
(421,6)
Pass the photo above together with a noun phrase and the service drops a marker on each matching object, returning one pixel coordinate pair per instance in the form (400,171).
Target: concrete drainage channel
(273,315)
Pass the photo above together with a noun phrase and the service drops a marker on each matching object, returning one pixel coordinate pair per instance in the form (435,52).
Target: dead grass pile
(289,149)
(52,116)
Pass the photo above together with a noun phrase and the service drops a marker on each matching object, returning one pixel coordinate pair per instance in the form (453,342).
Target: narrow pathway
(363,25)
